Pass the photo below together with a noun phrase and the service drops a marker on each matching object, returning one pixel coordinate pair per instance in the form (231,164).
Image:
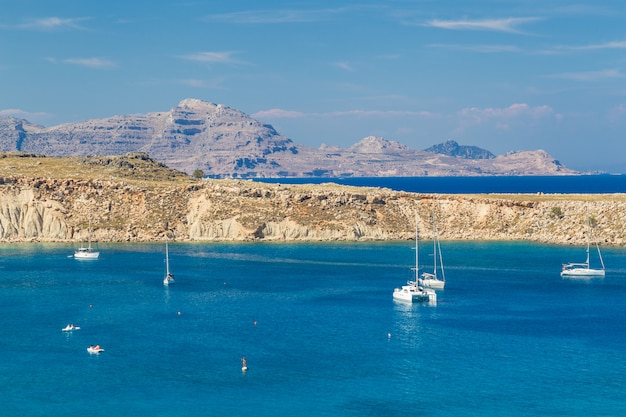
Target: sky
(503,75)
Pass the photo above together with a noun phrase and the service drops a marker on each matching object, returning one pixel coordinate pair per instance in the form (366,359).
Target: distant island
(217,141)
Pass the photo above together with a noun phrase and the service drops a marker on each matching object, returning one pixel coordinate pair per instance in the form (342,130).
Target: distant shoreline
(547,184)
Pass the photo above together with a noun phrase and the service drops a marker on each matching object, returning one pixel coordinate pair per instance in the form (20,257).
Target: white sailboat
(169,277)
(583,269)
(87,252)
(434,280)
(413,292)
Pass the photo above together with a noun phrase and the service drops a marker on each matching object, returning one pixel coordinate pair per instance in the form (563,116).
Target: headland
(131,198)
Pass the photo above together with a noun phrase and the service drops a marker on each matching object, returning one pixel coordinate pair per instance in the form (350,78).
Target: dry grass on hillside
(132,167)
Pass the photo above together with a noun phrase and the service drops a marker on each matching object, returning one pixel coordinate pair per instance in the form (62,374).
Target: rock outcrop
(58,210)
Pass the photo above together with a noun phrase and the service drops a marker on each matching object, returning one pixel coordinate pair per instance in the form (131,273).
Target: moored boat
(413,292)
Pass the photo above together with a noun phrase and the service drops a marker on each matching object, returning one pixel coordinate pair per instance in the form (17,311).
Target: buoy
(389,335)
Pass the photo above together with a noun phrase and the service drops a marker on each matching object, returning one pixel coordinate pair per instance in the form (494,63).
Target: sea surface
(318,326)
(568,184)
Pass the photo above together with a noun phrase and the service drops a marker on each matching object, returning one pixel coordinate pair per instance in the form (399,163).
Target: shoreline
(48,210)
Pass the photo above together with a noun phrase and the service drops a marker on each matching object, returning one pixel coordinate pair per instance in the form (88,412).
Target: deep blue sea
(319,328)
(579,184)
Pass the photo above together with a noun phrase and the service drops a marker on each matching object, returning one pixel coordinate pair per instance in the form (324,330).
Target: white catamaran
(583,269)
(413,292)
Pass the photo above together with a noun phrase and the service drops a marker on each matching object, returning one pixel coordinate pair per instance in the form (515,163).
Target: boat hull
(433,283)
(583,272)
(86,254)
(70,328)
(410,294)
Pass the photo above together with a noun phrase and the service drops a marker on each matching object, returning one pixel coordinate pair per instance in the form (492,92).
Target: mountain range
(224,142)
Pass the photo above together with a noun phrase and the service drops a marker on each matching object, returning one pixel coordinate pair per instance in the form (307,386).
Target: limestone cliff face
(24,217)
(216,210)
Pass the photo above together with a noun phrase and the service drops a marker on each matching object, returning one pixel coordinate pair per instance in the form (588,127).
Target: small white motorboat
(69,328)
(94,349)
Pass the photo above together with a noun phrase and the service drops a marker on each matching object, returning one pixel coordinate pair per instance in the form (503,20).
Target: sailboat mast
(434,246)
(588,239)
(596,243)
(167,259)
(89,234)
(416,250)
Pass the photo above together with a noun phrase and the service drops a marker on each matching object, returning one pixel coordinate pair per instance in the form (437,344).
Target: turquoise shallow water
(317,323)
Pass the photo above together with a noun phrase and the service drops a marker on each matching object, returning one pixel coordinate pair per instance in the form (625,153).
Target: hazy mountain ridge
(225,142)
(451,148)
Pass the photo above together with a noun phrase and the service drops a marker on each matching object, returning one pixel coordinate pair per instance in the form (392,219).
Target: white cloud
(381,113)
(51,23)
(90,62)
(195,83)
(212,57)
(21,113)
(509,25)
(617,114)
(606,45)
(277,114)
(277,16)
(590,75)
(486,49)
(609,45)
(344,66)
(502,117)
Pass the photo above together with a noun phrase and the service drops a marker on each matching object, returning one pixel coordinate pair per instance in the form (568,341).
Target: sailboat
(169,277)
(413,292)
(87,252)
(583,269)
(433,280)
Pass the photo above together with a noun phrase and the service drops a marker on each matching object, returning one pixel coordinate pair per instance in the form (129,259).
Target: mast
(434,246)
(438,252)
(89,235)
(167,259)
(597,247)
(588,239)
(416,250)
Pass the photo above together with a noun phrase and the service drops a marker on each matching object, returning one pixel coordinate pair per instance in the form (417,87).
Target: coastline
(60,210)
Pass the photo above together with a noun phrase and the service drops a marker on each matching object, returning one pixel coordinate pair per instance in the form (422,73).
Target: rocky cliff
(131,208)
(227,143)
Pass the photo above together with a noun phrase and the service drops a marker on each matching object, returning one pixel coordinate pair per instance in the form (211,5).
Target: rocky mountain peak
(452,148)
(373,144)
(197,104)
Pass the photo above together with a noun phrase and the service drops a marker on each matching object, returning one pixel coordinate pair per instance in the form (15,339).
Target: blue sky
(504,75)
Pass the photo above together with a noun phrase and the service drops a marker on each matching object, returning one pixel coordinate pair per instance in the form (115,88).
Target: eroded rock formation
(46,209)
